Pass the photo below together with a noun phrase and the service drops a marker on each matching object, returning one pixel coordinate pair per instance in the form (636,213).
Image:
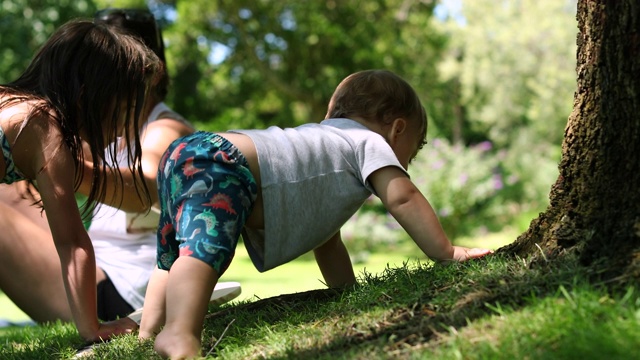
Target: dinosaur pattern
(176,185)
(206,194)
(210,222)
(221,201)
(188,169)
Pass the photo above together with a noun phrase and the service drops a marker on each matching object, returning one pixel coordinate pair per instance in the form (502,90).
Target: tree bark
(594,206)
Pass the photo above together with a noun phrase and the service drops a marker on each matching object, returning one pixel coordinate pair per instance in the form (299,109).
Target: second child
(86,84)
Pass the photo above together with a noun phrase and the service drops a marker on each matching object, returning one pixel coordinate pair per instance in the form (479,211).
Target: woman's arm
(55,182)
(156,138)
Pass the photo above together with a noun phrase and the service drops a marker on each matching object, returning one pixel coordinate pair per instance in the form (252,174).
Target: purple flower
(437,165)
(484,146)
(497,182)
(392,223)
(444,212)
(463,178)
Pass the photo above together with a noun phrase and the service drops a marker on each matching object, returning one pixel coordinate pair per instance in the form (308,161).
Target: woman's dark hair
(86,77)
(141,23)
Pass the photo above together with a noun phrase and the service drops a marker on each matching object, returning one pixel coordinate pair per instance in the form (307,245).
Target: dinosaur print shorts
(206,193)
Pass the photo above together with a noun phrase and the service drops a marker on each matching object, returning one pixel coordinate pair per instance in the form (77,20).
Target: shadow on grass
(419,304)
(422,304)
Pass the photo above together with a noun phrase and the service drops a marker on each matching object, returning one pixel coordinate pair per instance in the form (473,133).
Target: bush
(473,189)
(460,183)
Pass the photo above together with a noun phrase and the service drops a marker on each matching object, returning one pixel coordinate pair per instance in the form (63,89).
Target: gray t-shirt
(314,178)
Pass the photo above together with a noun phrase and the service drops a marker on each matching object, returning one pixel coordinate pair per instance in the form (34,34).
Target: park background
(496,78)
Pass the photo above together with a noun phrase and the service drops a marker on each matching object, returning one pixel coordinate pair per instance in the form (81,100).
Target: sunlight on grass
(303,274)
(582,323)
(491,240)
(496,308)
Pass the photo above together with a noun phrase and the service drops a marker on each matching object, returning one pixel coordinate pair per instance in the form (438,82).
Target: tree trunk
(594,206)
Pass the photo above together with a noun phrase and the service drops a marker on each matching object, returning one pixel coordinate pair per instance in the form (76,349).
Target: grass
(256,285)
(494,308)
(582,323)
(278,281)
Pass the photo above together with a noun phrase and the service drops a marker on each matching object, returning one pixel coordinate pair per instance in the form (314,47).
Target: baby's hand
(463,254)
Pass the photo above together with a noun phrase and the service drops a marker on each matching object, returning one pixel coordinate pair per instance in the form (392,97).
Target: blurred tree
(595,202)
(26,24)
(123,4)
(510,63)
(240,64)
(259,63)
(509,66)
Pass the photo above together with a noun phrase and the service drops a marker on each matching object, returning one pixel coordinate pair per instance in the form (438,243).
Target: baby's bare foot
(144,335)
(177,345)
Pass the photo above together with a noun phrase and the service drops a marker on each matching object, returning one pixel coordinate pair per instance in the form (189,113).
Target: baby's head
(380,97)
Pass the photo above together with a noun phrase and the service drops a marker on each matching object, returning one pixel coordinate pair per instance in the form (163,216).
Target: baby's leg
(153,316)
(189,286)
(218,194)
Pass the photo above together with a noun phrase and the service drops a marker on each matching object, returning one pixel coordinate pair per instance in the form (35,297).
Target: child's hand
(461,254)
(116,327)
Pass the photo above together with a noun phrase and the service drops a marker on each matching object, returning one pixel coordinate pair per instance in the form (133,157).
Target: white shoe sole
(222,293)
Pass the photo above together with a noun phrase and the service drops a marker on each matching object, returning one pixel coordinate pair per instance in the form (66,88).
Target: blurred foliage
(491,72)
(460,182)
(26,24)
(512,65)
(278,62)
(514,62)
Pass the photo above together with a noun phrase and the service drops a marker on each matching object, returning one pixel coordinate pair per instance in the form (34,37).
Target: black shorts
(110,304)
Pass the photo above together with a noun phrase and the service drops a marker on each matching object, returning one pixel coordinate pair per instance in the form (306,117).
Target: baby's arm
(334,262)
(414,213)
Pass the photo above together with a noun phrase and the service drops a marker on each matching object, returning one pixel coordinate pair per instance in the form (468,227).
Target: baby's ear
(398,126)
(395,129)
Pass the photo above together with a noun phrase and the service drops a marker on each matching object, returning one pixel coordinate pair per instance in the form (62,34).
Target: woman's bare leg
(30,273)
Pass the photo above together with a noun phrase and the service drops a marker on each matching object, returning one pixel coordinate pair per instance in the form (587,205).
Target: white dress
(125,243)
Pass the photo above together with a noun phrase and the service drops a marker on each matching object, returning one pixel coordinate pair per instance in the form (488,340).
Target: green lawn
(297,276)
(8,311)
(499,307)
(301,274)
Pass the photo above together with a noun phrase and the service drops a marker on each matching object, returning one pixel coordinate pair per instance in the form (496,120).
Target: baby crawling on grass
(286,191)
